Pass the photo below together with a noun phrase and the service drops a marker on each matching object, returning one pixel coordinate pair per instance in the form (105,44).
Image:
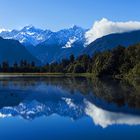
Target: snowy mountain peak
(28,27)
(75,27)
(2,30)
(31,28)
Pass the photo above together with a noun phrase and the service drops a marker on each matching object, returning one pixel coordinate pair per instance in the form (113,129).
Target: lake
(60,108)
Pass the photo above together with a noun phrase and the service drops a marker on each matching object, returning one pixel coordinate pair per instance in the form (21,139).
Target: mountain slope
(60,45)
(12,51)
(113,40)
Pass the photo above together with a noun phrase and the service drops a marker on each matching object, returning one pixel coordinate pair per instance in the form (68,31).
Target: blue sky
(58,14)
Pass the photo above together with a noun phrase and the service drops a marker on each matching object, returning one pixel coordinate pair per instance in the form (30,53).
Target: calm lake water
(58,108)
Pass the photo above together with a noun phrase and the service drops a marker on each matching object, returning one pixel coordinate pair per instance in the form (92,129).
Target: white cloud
(106,27)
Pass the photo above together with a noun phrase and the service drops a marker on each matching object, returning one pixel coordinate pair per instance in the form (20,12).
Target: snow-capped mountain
(60,45)
(49,46)
(29,35)
(62,37)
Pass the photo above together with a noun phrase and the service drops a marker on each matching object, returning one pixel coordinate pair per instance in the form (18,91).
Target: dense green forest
(119,62)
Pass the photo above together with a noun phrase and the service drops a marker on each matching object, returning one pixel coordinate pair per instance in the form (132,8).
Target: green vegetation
(120,62)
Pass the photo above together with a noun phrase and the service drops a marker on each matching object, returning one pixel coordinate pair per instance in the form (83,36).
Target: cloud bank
(106,27)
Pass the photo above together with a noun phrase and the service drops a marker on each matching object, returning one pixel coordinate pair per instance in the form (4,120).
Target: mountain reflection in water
(107,102)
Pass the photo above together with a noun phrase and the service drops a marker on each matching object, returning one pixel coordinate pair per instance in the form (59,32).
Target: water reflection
(105,118)
(107,102)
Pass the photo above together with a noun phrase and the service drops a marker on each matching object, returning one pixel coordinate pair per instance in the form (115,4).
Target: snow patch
(69,102)
(70,42)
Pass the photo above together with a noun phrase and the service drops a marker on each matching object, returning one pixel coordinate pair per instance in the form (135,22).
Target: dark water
(68,109)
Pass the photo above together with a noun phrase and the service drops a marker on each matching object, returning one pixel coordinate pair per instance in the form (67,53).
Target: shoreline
(43,75)
(3,75)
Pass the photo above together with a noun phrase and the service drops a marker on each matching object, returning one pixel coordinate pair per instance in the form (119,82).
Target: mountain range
(47,46)
(29,35)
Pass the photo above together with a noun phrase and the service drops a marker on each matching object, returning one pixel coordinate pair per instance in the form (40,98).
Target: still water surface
(58,108)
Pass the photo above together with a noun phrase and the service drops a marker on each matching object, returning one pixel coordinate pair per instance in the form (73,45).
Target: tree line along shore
(119,62)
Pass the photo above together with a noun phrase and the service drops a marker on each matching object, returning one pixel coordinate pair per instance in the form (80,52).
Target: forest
(119,62)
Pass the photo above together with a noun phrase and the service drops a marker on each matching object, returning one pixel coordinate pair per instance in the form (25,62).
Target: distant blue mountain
(12,51)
